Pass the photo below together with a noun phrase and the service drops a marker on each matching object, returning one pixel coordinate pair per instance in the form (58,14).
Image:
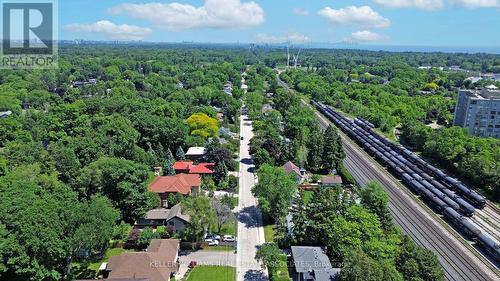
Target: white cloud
(213,14)
(362,16)
(419,4)
(300,12)
(111,30)
(477,3)
(365,36)
(292,37)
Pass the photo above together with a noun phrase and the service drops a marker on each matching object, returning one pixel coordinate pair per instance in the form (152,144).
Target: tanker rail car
(443,193)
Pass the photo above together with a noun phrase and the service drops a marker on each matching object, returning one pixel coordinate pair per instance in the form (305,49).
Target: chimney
(158,171)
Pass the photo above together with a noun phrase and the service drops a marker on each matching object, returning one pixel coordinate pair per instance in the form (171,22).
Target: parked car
(242,138)
(212,242)
(213,237)
(192,264)
(228,238)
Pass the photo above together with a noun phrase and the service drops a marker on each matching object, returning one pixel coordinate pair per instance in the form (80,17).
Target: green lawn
(219,249)
(269,232)
(88,270)
(307,195)
(109,253)
(282,273)
(212,273)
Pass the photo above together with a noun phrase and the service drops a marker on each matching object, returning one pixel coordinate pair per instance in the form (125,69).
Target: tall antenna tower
(296,58)
(288,55)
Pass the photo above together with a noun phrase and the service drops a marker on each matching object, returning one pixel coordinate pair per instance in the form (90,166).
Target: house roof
(183,165)
(196,151)
(118,279)
(331,180)
(201,168)
(292,168)
(180,183)
(167,214)
(157,214)
(312,259)
(157,264)
(176,212)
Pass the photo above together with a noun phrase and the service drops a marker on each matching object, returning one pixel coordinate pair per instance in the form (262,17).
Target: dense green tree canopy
(274,191)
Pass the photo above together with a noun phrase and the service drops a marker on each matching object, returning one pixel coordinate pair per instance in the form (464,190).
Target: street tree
(203,217)
(274,190)
(269,255)
(223,213)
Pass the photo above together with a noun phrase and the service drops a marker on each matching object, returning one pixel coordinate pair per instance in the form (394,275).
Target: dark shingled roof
(312,259)
(292,168)
(331,180)
(156,264)
(167,214)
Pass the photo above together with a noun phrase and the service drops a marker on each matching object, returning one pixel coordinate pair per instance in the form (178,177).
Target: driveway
(218,258)
(250,227)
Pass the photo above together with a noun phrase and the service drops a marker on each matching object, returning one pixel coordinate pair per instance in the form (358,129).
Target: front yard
(90,270)
(212,273)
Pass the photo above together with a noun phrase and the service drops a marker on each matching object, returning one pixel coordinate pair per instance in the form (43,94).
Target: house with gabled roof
(172,218)
(184,184)
(159,263)
(331,181)
(293,169)
(184,167)
(312,264)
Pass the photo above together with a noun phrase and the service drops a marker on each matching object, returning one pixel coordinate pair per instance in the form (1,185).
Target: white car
(212,236)
(212,242)
(228,238)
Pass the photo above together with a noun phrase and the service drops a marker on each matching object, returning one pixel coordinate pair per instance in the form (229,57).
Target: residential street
(250,227)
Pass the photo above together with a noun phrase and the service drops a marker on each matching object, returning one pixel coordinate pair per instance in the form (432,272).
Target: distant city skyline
(419,23)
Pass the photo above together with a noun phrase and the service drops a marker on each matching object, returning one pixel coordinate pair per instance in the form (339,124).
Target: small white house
(195,153)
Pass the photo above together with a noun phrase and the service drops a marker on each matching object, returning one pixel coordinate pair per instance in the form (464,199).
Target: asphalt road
(416,220)
(250,226)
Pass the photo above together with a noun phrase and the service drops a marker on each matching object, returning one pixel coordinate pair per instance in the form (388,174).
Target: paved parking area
(219,258)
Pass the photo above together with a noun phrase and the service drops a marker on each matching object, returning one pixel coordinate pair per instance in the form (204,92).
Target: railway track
(493,212)
(484,223)
(412,218)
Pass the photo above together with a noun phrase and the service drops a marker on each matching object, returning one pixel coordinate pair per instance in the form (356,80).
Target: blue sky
(382,22)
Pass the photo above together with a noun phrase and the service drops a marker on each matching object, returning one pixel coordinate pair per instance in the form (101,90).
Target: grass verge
(219,249)
(269,232)
(212,273)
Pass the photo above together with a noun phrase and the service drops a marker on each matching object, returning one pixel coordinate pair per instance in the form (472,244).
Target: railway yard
(460,252)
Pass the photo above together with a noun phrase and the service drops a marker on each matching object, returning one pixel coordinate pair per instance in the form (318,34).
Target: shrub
(145,237)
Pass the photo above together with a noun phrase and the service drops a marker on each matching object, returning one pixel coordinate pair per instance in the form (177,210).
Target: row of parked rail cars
(445,194)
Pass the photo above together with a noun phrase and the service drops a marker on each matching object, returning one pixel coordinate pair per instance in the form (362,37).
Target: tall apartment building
(479,111)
